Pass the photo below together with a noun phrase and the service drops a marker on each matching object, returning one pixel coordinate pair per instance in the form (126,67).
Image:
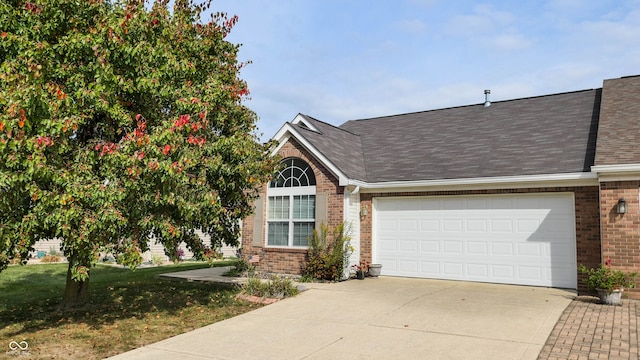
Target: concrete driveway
(383,318)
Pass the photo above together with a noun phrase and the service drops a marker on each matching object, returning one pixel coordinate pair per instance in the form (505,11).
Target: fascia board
(619,172)
(616,169)
(505,182)
(300,119)
(287,131)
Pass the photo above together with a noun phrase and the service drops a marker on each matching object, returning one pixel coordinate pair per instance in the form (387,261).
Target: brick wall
(621,232)
(290,261)
(586,214)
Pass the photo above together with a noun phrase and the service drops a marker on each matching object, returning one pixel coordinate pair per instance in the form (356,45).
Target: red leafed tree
(121,121)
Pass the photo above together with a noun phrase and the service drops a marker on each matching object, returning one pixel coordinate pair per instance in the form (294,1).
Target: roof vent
(487,103)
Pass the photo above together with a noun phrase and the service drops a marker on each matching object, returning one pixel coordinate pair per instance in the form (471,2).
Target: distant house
(514,192)
(155,249)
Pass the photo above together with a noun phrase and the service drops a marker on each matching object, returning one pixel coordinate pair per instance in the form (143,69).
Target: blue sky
(339,60)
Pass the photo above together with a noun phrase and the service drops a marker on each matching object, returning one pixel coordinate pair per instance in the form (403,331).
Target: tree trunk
(75,292)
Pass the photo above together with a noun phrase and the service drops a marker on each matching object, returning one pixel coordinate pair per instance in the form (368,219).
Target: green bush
(327,257)
(157,259)
(604,277)
(278,287)
(240,268)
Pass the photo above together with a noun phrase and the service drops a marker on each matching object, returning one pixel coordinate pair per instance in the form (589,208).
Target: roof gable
(341,147)
(552,134)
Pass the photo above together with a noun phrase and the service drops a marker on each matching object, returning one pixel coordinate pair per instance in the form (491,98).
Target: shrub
(327,257)
(241,267)
(604,277)
(277,288)
(157,259)
(53,251)
(50,259)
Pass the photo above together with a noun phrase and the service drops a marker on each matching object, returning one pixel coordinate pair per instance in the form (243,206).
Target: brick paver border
(589,330)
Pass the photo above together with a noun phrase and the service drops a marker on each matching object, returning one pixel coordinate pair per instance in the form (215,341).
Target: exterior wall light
(622,206)
(364,211)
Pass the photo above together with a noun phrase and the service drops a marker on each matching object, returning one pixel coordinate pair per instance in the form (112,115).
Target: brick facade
(285,260)
(621,232)
(586,213)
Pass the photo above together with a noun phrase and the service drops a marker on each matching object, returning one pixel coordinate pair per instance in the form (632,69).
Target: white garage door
(511,239)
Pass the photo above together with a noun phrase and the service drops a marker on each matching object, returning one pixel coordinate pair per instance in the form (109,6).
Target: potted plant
(360,269)
(609,283)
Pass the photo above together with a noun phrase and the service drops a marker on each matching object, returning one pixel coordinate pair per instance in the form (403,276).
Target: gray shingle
(341,147)
(539,135)
(619,127)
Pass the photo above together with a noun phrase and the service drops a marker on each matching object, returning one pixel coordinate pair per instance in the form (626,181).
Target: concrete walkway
(214,274)
(384,318)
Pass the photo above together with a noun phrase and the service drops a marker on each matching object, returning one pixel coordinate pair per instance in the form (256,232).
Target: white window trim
(289,192)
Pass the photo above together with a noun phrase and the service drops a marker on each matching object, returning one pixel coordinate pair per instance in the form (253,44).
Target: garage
(526,239)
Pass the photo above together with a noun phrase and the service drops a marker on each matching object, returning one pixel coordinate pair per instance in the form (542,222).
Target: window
(291,205)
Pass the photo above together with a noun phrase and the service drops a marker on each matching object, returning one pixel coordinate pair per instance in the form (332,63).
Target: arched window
(295,172)
(291,204)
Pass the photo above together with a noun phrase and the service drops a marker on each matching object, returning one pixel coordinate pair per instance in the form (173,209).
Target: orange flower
(166,149)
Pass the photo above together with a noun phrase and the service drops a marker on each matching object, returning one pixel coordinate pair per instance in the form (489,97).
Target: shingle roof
(539,135)
(340,146)
(619,127)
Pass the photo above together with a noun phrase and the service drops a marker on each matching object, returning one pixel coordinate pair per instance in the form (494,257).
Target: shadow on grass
(31,295)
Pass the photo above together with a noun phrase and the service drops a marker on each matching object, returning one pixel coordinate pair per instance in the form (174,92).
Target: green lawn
(127,309)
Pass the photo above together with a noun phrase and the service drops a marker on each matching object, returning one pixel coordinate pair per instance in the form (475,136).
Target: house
(156,250)
(515,192)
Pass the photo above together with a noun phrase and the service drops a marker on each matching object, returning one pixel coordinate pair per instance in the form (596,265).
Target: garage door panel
(502,225)
(430,247)
(452,247)
(530,273)
(477,248)
(408,246)
(480,271)
(477,225)
(529,249)
(407,225)
(515,239)
(452,225)
(430,268)
(429,225)
(503,273)
(453,269)
(388,245)
(527,225)
(408,266)
(501,248)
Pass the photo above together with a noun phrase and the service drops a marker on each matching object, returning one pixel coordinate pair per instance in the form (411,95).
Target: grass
(127,309)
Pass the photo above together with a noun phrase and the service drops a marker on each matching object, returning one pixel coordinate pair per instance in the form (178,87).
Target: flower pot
(360,275)
(374,270)
(610,297)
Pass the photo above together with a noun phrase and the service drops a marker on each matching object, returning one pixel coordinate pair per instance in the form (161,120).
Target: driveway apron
(381,318)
